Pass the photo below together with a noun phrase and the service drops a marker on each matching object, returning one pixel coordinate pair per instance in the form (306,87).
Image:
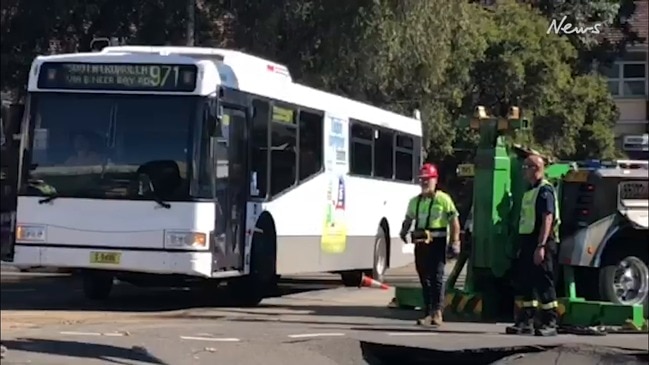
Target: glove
(404,236)
(453,250)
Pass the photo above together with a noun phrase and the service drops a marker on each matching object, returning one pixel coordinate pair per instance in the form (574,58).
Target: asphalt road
(314,321)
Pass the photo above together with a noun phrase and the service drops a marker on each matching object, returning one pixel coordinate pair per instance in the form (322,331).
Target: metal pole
(191,21)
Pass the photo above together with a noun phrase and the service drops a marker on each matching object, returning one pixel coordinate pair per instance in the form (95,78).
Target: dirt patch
(39,319)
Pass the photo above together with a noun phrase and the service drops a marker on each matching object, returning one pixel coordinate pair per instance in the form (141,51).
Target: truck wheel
(250,290)
(626,282)
(97,286)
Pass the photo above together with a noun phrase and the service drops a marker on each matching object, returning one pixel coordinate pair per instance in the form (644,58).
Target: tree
(392,54)
(441,56)
(610,16)
(526,66)
(36,27)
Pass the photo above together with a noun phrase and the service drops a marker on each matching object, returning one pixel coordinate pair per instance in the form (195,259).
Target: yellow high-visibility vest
(432,213)
(528,210)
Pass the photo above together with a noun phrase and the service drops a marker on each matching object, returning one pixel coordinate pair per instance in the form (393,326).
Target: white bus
(161,163)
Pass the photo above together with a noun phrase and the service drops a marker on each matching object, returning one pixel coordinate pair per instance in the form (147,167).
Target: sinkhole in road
(384,354)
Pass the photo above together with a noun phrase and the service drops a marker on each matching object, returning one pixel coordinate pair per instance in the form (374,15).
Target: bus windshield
(100,145)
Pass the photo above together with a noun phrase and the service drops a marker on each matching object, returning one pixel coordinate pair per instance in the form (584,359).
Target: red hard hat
(428,171)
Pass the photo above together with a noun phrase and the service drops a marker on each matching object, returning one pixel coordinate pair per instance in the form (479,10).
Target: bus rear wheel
(380,255)
(96,285)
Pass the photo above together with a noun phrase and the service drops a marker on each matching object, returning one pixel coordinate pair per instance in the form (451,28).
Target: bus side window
(259,162)
(383,148)
(361,150)
(283,147)
(311,144)
(404,158)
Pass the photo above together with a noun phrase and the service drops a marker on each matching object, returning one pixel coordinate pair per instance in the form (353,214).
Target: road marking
(307,335)
(412,334)
(108,334)
(211,339)
(74,333)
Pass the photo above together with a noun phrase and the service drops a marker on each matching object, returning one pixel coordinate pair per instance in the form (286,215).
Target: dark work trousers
(430,260)
(538,279)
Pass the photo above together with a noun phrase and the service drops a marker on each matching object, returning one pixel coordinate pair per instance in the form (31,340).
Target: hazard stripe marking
(463,301)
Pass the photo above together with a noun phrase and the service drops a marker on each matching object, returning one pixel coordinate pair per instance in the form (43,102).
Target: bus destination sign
(117,76)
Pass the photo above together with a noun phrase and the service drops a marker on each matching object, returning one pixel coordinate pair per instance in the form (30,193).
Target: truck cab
(604,212)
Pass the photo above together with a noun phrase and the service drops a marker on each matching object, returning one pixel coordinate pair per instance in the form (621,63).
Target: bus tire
(634,269)
(97,285)
(381,256)
(250,290)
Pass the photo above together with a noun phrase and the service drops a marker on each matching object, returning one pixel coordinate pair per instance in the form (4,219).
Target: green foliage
(609,14)
(442,57)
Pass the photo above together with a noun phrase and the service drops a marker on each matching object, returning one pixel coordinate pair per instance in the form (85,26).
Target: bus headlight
(30,233)
(181,239)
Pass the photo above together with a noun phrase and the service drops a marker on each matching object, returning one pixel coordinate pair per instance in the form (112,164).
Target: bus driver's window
(83,151)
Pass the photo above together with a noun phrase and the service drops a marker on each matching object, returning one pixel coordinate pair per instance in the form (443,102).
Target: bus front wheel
(250,290)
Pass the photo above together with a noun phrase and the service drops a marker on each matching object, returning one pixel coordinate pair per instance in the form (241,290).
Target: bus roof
(240,71)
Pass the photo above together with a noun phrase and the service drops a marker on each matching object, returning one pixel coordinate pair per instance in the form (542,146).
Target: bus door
(231,161)
(10,177)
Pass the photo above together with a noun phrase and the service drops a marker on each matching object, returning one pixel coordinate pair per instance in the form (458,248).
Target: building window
(628,77)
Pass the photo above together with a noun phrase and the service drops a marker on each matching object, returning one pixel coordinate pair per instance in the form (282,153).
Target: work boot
(546,330)
(437,318)
(524,324)
(426,321)
(548,325)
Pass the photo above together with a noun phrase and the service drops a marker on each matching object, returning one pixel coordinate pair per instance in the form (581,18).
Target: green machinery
(490,249)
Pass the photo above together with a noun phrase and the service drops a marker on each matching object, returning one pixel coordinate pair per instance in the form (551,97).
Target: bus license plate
(105,257)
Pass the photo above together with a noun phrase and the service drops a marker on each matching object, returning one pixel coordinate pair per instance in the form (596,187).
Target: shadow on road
(283,313)
(63,293)
(107,353)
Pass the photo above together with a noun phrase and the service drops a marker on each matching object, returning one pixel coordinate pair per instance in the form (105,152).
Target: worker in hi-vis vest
(433,213)
(538,239)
